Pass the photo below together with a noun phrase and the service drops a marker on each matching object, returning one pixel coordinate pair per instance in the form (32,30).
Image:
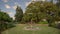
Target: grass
(44,29)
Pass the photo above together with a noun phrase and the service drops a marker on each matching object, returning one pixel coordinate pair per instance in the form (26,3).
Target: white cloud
(16,3)
(11,14)
(14,7)
(34,0)
(43,0)
(13,18)
(5,0)
(7,6)
(37,0)
(27,3)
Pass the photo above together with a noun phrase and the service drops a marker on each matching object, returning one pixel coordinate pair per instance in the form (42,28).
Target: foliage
(5,17)
(37,11)
(4,20)
(19,14)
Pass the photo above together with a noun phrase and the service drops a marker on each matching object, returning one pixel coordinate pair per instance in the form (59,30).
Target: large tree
(19,14)
(4,20)
(38,11)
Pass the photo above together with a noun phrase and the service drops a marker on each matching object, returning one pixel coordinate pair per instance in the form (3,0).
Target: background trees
(5,21)
(19,14)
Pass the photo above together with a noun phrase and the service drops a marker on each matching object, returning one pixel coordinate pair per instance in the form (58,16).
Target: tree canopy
(19,14)
(36,11)
(5,17)
(4,20)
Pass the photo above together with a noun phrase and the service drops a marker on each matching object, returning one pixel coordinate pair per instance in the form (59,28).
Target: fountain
(32,25)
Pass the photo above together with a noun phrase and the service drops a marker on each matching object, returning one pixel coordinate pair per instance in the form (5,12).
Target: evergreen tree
(19,14)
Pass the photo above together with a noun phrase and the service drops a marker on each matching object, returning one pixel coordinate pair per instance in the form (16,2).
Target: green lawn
(44,29)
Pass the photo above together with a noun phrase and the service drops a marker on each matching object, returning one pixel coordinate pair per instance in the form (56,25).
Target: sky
(9,6)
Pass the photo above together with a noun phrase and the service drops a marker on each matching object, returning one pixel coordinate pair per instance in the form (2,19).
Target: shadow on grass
(7,28)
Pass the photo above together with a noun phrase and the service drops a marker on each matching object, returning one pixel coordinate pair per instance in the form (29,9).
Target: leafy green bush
(10,25)
(6,26)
